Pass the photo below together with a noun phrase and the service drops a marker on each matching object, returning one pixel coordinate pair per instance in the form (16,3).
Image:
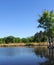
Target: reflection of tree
(40,51)
(45,52)
(51,56)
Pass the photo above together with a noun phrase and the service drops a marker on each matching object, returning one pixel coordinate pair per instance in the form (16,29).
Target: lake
(26,56)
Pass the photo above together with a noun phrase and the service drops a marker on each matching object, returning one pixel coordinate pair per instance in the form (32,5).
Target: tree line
(38,37)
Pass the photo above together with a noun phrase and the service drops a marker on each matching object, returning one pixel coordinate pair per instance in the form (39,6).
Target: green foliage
(40,37)
(30,39)
(9,39)
(24,40)
(46,21)
(0,40)
(17,40)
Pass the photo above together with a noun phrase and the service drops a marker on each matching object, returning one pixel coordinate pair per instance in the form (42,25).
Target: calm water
(25,56)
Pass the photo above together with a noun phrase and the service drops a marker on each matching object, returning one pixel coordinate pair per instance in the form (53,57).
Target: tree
(17,40)
(31,39)
(40,37)
(46,21)
(24,40)
(9,39)
(0,40)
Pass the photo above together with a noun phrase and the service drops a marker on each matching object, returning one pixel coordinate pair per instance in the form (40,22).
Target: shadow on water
(47,53)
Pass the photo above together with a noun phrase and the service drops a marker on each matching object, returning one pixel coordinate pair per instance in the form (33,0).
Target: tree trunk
(50,42)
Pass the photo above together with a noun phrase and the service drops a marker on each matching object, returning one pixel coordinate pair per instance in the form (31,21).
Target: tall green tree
(46,21)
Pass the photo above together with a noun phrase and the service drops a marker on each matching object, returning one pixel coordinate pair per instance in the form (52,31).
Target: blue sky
(19,17)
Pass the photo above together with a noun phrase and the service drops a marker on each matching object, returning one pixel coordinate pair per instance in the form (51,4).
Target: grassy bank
(23,44)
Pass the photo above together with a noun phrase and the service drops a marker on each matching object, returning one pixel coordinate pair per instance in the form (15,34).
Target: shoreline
(23,44)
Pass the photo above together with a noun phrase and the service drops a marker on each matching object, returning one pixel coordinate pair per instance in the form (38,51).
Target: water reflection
(14,51)
(45,52)
(7,52)
(20,56)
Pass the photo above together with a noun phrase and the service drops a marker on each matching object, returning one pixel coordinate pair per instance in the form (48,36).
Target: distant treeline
(38,37)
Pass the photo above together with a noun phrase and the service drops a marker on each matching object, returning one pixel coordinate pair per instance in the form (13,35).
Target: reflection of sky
(20,56)
(13,51)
